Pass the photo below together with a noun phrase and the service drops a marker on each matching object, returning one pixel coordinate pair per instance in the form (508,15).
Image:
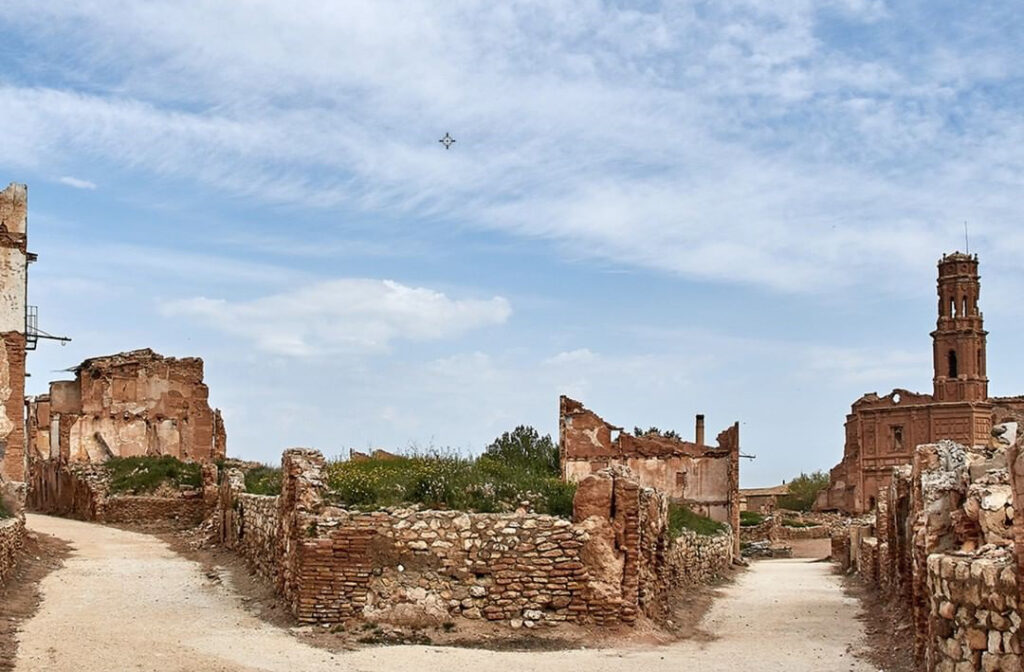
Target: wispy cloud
(798,146)
(346,315)
(77,183)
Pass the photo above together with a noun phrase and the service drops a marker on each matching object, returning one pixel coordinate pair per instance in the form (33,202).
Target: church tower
(959,337)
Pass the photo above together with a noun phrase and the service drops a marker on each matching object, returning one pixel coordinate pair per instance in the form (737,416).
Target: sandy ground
(125,601)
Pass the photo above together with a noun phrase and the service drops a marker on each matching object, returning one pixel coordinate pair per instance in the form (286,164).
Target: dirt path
(125,601)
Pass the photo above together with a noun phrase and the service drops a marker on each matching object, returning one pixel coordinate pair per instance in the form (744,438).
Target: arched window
(952,307)
(965,313)
(953,373)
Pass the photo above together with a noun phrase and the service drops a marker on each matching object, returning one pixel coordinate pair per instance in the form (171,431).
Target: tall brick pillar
(13,287)
(301,500)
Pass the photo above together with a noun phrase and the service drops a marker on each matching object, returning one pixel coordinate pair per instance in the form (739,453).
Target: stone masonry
(81,490)
(944,552)
(614,563)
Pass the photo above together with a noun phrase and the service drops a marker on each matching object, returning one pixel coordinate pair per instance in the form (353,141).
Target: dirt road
(125,601)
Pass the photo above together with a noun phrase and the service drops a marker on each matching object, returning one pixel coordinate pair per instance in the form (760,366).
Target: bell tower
(959,337)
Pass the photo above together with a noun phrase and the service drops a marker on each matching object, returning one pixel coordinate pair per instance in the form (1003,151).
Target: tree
(668,433)
(803,490)
(525,448)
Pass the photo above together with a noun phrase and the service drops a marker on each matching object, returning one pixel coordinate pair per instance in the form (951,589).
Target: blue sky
(732,208)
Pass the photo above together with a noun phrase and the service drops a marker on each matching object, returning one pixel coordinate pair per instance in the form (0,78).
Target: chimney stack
(700,429)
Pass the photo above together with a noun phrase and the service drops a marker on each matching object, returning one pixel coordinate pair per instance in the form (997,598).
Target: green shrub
(4,513)
(519,466)
(803,490)
(680,518)
(263,480)
(138,475)
(751,518)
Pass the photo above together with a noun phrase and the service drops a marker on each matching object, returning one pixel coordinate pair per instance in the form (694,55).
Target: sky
(660,209)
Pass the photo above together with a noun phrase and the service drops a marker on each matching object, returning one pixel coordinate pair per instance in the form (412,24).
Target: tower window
(953,373)
(897,438)
(952,307)
(965,313)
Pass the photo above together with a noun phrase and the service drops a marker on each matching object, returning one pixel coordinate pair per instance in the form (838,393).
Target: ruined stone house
(882,432)
(705,478)
(762,500)
(128,404)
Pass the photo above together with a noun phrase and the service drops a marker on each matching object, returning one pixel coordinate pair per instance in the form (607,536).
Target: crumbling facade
(129,404)
(14,260)
(882,432)
(705,478)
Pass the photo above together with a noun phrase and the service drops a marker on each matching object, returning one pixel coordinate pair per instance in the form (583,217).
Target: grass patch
(439,481)
(793,522)
(680,518)
(751,518)
(519,466)
(4,513)
(139,475)
(263,480)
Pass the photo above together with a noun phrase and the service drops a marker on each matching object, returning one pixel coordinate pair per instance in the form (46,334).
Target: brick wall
(615,563)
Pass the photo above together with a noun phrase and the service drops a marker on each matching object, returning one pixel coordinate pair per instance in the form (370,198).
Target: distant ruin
(882,432)
(705,478)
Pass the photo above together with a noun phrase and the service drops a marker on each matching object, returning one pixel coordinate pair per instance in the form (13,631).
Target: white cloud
(346,315)
(741,143)
(77,183)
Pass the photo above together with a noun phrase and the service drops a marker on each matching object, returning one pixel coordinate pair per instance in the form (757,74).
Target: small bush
(263,480)
(751,518)
(680,518)
(138,475)
(4,513)
(519,466)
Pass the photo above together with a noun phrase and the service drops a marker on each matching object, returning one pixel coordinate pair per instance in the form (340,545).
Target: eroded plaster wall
(706,478)
(13,274)
(129,404)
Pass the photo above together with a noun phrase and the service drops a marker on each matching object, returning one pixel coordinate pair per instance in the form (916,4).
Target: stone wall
(697,559)
(81,491)
(12,538)
(974,621)
(614,563)
(942,552)
(249,525)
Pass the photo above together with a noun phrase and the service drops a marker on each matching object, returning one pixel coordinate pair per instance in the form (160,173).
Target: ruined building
(128,404)
(705,478)
(14,260)
(882,432)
